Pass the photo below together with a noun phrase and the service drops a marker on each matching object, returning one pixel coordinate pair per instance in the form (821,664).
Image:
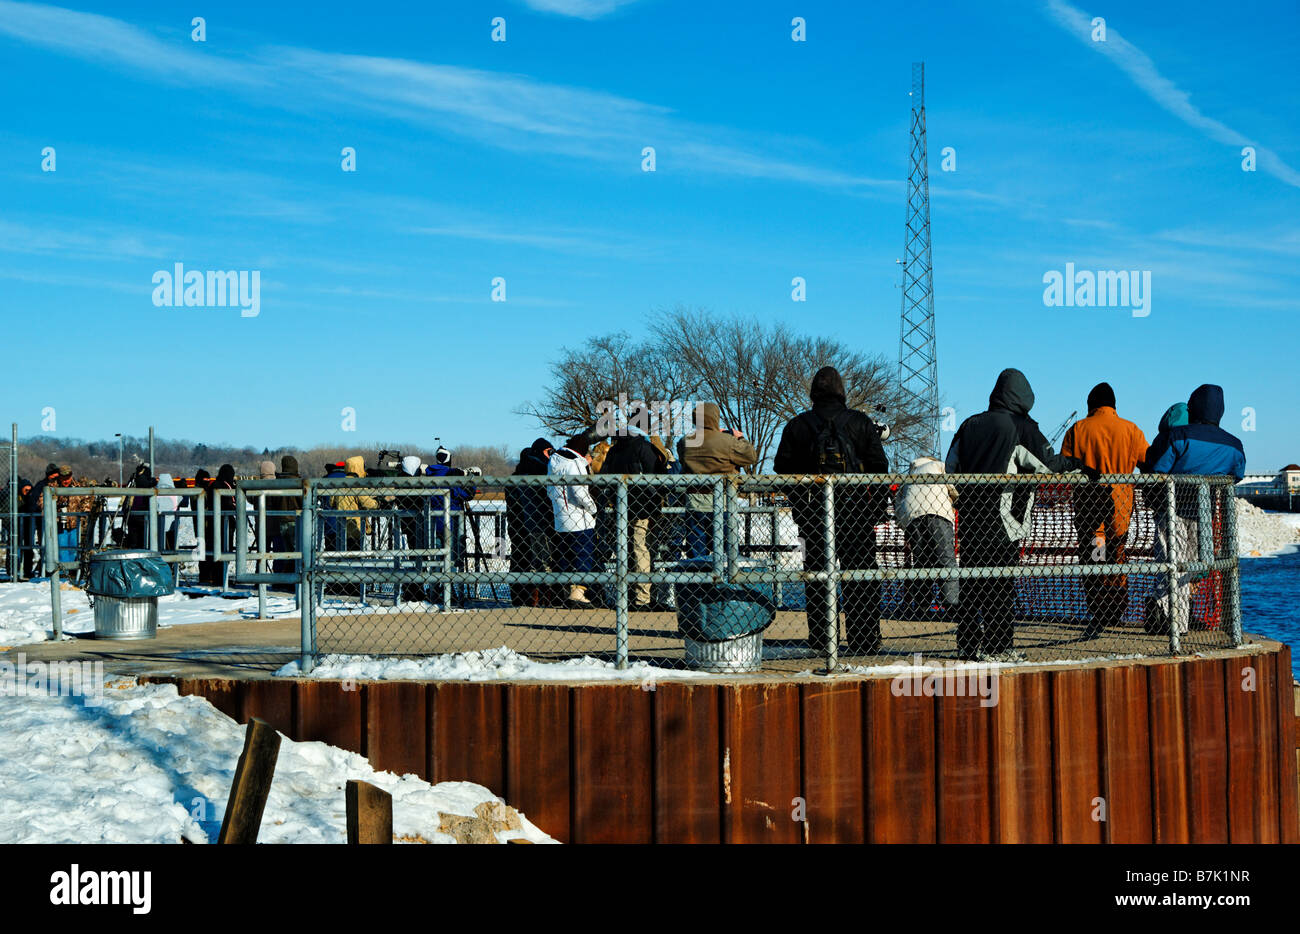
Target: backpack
(833,452)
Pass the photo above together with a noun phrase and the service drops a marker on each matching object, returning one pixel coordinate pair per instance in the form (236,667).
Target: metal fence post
(152,539)
(832,634)
(1171,575)
(1204,522)
(719,518)
(51,528)
(15,534)
(306,579)
(446,549)
(620,574)
(1232,579)
(261,550)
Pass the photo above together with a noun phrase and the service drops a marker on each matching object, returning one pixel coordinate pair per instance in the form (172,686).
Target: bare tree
(604,370)
(758,374)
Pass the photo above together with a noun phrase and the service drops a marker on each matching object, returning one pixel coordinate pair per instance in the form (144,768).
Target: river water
(1270,600)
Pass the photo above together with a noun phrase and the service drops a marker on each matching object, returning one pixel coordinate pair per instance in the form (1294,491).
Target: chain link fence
(11,507)
(843,570)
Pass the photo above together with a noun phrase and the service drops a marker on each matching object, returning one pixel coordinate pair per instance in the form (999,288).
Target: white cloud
(1143,72)
(509,111)
(583,9)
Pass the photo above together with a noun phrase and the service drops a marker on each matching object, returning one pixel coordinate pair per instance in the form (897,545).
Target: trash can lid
(706,564)
(123,554)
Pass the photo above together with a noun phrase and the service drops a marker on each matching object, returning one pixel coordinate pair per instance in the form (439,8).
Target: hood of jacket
(356,465)
(1012,393)
(1174,416)
(226,474)
(165,481)
(532,463)
(411,465)
(827,385)
(289,465)
(266,470)
(1205,407)
(710,415)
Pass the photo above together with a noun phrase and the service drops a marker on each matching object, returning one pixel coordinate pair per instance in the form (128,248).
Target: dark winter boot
(1156,620)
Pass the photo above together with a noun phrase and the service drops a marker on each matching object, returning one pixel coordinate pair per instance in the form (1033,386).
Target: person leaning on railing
(832,438)
(995,517)
(1199,448)
(1110,445)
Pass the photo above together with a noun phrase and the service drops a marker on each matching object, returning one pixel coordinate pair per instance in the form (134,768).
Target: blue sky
(522,159)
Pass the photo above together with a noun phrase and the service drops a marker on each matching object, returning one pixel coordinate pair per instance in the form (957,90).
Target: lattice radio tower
(918,365)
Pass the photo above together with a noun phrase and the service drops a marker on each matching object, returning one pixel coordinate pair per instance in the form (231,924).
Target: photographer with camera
(832,438)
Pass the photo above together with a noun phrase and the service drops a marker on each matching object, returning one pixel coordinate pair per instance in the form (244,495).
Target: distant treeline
(98,459)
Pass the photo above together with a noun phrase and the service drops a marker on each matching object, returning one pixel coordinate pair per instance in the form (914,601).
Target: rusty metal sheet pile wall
(1167,752)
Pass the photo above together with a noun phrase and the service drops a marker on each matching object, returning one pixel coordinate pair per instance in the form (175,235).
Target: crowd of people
(567,527)
(557,528)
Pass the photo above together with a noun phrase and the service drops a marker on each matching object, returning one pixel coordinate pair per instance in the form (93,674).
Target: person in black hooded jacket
(633,453)
(993,518)
(528,523)
(217,539)
(857,510)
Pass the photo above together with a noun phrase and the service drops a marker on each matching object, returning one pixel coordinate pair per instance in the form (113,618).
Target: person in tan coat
(1110,445)
(351,502)
(710,450)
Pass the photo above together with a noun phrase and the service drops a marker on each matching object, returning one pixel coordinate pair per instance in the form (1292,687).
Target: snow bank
(145,765)
(1262,533)
(499,664)
(25,611)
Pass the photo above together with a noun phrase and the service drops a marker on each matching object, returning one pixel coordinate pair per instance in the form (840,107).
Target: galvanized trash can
(125,587)
(722,624)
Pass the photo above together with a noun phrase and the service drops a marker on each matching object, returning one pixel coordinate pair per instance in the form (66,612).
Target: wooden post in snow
(252,784)
(370,813)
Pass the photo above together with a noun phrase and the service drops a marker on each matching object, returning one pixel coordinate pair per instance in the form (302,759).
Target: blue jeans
(699,534)
(68,545)
(575,551)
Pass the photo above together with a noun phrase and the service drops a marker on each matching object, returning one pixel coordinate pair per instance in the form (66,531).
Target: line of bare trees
(757,373)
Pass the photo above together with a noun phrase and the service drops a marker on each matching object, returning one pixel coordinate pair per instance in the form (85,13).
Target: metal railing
(1038,578)
(1025,567)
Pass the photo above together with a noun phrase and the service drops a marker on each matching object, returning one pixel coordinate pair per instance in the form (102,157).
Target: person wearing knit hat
(1110,445)
(266,470)
(528,520)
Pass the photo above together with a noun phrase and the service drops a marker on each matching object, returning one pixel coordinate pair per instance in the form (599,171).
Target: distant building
(1289,478)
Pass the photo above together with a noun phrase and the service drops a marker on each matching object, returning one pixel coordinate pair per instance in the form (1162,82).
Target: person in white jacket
(924,512)
(574,511)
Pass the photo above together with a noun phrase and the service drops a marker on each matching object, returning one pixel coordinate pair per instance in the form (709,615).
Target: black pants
(986,613)
(530,550)
(855,549)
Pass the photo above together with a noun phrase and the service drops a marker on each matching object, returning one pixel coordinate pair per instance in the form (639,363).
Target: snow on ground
(25,611)
(1262,533)
(499,664)
(141,764)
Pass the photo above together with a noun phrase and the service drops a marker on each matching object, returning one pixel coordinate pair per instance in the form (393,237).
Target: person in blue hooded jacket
(1199,448)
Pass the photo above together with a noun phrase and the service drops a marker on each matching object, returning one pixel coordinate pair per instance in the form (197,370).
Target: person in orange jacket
(1111,445)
